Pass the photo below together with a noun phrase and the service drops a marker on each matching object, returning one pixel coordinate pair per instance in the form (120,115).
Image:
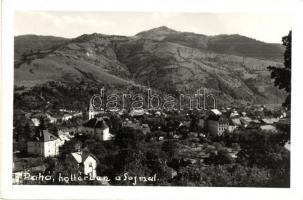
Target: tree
(221,157)
(129,138)
(42,124)
(170,147)
(234,175)
(69,147)
(116,122)
(282,76)
(27,131)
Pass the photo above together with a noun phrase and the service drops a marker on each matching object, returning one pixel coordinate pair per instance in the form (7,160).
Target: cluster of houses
(47,144)
(65,115)
(214,122)
(218,123)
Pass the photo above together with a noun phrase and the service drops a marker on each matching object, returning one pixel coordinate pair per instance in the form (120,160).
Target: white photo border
(9,191)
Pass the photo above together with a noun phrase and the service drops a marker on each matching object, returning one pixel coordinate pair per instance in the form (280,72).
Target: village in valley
(169,144)
(125,110)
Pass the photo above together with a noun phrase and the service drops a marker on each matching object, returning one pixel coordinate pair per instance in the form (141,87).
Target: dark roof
(38,115)
(44,136)
(96,123)
(84,154)
(223,119)
(131,124)
(220,118)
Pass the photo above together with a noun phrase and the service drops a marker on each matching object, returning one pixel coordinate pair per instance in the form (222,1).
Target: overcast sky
(265,27)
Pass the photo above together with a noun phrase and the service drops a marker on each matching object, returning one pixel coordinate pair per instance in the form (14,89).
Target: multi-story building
(98,128)
(44,144)
(217,125)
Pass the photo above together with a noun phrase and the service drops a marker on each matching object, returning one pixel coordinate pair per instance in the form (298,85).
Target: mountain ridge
(233,66)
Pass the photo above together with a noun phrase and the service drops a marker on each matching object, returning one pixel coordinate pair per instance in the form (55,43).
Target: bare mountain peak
(88,37)
(162,30)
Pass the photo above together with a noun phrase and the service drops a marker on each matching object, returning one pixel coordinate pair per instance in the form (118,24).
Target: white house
(158,113)
(287,145)
(234,113)
(87,160)
(45,144)
(64,136)
(77,114)
(138,112)
(231,128)
(67,132)
(235,122)
(245,121)
(67,117)
(215,112)
(269,128)
(51,119)
(36,121)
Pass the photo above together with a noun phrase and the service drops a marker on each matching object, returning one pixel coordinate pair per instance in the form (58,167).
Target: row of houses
(35,118)
(216,122)
(135,124)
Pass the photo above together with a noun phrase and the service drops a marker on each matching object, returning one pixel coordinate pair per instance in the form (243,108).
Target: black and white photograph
(161,99)
(105,98)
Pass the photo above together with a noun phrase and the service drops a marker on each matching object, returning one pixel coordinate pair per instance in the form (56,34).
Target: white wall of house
(91,114)
(51,119)
(106,134)
(90,165)
(51,148)
(67,117)
(45,149)
(231,128)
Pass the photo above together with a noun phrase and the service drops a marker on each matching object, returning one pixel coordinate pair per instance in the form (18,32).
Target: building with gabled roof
(98,128)
(137,112)
(44,144)
(86,161)
(235,122)
(245,121)
(67,117)
(35,121)
(51,118)
(215,112)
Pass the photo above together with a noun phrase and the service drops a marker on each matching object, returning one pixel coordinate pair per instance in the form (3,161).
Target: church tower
(91,112)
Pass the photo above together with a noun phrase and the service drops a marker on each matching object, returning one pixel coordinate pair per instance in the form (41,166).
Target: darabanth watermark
(200,100)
